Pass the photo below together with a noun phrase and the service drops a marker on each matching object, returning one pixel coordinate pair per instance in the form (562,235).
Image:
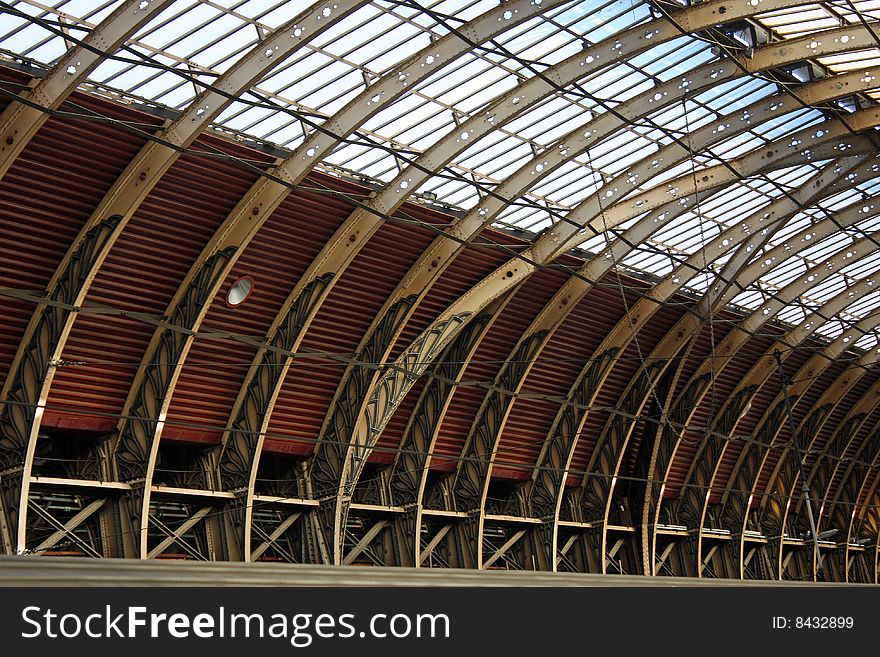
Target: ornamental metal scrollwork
(772,514)
(138,430)
(17,411)
(355,386)
(239,452)
(548,484)
(473,472)
(326,473)
(603,463)
(738,494)
(416,445)
(707,457)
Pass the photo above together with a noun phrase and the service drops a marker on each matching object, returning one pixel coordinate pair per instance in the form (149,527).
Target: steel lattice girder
(537,335)
(771,516)
(355,232)
(839,512)
(415,359)
(639,316)
(21,120)
(697,493)
(47,332)
(821,475)
(606,457)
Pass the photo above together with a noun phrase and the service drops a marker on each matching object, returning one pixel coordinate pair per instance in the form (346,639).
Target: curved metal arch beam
(506,108)
(645,307)
(497,404)
(739,493)
(547,480)
(839,512)
(772,512)
(697,386)
(32,372)
(732,411)
(855,520)
(703,465)
(315,284)
(829,463)
(408,475)
(737,498)
(595,268)
(380,337)
(250,214)
(596,494)
(22,119)
(564,294)
(673,154)
(619,337)
(260,202)
(822,474)
(394,384)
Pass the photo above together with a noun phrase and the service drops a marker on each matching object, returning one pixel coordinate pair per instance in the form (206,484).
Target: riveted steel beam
(623,332)
(839,512)
(737,403)
(390,320)
(270,540)
(509,106)
(21,120)
(174,535)
(825,469)
(394,384)
(491,418)
(772,513)
(365,541)
(69,526)
(31,373)
(63,528)
(409,472)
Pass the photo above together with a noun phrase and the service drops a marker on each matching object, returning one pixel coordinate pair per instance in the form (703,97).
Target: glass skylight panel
(198,41)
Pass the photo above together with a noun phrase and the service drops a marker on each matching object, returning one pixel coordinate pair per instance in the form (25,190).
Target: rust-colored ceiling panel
(146,265)
(466,270)
(747,425)
(831,424)
(620,374)
(853,452)
(340,324)
(48,194)
(712,404)
(110,349)
(494,349)
(276,258)
(389,440)
(555,372)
